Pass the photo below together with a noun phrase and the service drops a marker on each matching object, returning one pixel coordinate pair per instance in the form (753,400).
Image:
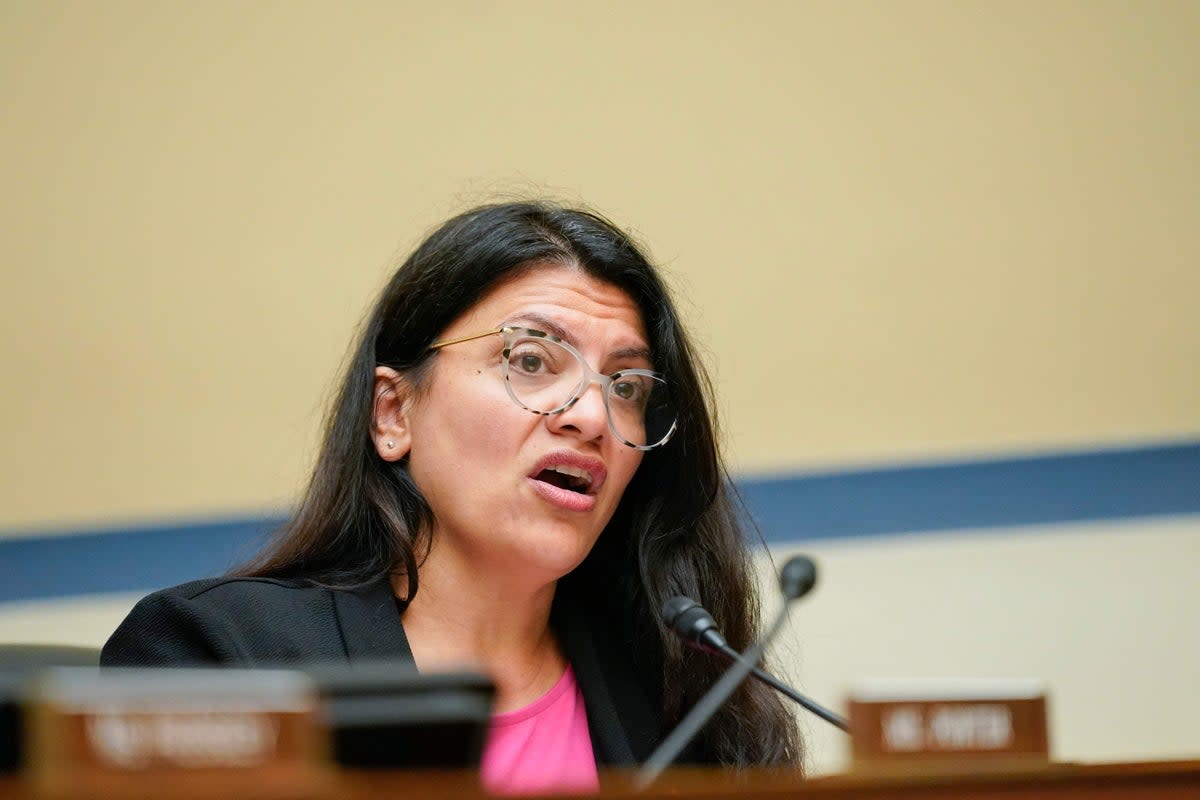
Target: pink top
(543,747)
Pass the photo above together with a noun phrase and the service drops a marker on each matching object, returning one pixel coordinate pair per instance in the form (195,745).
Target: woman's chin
(553,555)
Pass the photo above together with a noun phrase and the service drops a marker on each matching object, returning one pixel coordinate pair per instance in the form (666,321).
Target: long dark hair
(677,529)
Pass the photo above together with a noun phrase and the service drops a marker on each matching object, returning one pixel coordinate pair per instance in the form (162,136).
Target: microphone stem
(769,679)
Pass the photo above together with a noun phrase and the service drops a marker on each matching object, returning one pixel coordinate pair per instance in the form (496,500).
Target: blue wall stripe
(126,560)
(1034,490)
(1074,487)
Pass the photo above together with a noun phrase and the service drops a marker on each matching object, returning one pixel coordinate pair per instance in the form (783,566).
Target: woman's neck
(480,618)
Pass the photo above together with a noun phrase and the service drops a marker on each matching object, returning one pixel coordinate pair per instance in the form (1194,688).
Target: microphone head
(691,622)
(798,577)
(674,607)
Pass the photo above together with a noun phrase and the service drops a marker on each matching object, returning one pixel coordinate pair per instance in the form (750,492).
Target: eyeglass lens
(544,376)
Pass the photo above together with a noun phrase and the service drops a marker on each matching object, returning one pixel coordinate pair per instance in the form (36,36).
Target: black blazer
(261,622)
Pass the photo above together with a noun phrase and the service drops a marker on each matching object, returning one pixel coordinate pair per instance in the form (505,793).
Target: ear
(389,423)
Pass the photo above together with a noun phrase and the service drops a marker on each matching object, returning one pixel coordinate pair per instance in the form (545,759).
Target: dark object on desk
(387,715)
(10,722)
(17,663)
(26,659)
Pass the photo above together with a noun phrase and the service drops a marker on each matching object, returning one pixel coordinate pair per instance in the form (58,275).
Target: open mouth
(564,477)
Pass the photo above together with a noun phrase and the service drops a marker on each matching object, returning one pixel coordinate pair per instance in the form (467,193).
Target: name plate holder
(938,725)
(192,733)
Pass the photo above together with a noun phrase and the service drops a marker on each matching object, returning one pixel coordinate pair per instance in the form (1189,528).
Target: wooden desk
(1173,780)
(1152,781)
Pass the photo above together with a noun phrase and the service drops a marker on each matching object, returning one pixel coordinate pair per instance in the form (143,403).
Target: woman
(520,467)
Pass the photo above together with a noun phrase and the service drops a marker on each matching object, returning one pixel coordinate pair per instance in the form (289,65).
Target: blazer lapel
(370,622)
(623,724)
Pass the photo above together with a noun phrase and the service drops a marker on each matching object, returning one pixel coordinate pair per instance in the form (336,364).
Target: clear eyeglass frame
(512,333)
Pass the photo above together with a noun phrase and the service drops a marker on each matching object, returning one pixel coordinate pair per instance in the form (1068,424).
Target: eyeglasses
(545,375)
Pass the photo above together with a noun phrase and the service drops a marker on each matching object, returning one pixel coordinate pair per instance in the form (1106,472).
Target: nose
(586,417)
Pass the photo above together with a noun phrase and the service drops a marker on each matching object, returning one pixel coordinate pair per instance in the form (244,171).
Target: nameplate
(909,722)
(220,733)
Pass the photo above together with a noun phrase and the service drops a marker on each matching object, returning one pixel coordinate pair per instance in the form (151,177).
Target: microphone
(692,622)
(798,576)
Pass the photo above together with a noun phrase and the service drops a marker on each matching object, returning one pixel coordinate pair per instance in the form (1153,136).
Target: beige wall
(900,229)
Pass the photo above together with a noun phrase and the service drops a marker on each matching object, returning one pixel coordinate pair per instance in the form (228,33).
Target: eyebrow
(547,325)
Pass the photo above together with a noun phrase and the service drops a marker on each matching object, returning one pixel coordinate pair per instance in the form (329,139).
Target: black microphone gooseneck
(796,578)
(692,622)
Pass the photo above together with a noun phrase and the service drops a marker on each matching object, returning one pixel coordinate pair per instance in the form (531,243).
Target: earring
(390,444)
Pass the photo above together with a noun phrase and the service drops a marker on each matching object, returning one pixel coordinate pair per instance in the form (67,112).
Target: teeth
(574,472)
